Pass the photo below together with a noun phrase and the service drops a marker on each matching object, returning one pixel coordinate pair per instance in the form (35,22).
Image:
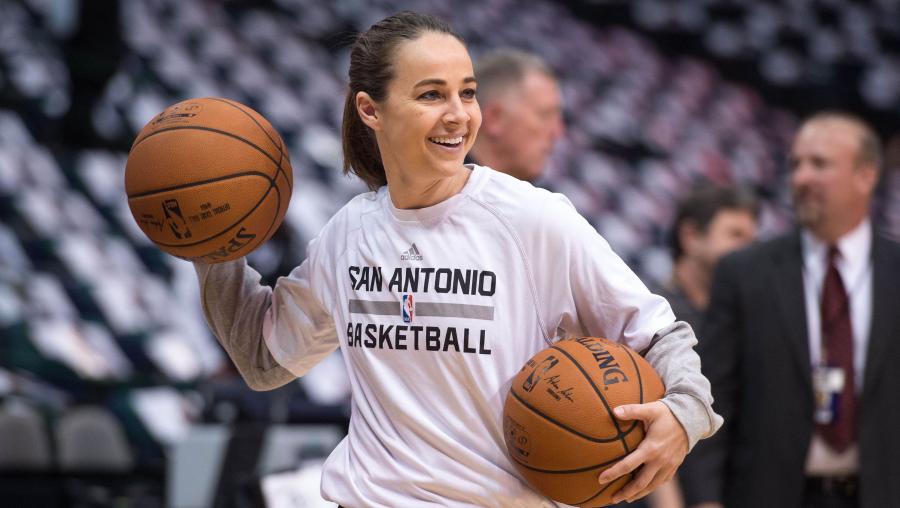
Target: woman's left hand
(658,456)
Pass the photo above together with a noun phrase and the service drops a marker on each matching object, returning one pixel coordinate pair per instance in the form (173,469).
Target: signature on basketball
(556,392)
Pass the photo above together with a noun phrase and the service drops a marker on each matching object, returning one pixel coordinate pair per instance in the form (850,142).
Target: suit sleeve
(704,471)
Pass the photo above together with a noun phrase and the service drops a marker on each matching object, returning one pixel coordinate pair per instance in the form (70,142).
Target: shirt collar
(855,250)
(440,210)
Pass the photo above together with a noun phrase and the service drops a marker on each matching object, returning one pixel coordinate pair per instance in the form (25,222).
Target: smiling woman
(410,123)
(437,286)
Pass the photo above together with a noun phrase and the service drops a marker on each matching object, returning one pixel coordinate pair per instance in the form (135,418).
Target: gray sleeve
(235,305)
(688,393)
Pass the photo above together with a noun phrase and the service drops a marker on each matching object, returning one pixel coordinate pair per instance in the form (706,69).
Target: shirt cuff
(693,416)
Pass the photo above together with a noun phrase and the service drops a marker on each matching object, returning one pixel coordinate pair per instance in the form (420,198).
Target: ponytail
(361,154)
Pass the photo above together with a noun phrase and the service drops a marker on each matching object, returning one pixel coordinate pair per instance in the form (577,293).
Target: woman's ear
(368,110)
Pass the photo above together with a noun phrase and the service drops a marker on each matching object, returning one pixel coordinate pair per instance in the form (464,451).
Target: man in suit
(802,342)
(521,110)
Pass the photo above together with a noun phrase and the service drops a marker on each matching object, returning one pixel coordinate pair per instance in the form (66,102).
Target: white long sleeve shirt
(435,310)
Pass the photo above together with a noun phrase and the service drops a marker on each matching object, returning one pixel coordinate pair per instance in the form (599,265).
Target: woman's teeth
(447,141)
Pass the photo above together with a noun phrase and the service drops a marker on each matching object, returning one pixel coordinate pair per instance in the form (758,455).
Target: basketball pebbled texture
(558,423)
(208,179)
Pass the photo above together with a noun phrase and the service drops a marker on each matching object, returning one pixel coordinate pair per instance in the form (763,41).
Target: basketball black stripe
(599,394)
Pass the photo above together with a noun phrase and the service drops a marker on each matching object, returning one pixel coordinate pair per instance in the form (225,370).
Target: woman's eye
(430,95)
(469,93)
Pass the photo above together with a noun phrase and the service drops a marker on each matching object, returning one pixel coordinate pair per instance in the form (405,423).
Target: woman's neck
(409,193)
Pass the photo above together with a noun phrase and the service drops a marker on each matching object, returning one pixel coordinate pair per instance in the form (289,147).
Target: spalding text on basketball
(612,372)
(236,243)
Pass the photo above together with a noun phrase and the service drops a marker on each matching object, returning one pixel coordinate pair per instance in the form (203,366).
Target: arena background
(112,390)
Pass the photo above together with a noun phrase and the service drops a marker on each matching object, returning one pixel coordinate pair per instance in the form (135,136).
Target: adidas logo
(411,255)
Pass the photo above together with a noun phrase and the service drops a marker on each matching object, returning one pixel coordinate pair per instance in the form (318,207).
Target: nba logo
(407,308)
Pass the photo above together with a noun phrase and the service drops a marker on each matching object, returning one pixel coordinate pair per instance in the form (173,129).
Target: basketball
(208,180)
(558,422)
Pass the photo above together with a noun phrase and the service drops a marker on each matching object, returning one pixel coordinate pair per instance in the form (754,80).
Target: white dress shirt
(854,263)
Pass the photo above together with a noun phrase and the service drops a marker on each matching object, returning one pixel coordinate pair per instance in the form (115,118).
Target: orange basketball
(558,421)
(208,179)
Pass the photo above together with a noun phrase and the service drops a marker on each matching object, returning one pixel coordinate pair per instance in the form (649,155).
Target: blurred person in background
(521,109)
(800,342)
(710,222)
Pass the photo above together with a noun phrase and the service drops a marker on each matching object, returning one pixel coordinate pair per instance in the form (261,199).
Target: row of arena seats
(87,438)
(32,68)
(84,459)
(85,289)
(793,44)
(87,318)
(88,461)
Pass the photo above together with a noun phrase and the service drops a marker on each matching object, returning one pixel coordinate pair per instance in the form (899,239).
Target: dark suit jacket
(755,353)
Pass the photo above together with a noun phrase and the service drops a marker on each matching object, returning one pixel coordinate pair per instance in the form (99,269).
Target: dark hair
(371,71)
(700,207)
(870,151)
(504,67)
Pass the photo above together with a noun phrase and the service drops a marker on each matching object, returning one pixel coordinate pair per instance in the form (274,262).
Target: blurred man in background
(800,342)
(709,223)
(521,110)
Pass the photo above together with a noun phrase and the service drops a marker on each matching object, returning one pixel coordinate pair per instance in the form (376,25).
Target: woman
(437,286)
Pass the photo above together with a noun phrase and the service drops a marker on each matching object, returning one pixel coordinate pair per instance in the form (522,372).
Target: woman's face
(429,119)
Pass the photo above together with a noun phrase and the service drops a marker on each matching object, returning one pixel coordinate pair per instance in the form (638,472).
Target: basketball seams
(559,424)
(269,231)
(204,182)
(599,492)
(207,129)
(640,378)
(290,181)
(252,119)
(615,421)
(278,145)
(568,471)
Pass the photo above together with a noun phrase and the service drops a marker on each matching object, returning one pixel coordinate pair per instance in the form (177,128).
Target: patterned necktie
(837,337)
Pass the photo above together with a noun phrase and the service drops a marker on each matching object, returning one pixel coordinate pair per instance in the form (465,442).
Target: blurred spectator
(798,336)
(710,222)
(521,110)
